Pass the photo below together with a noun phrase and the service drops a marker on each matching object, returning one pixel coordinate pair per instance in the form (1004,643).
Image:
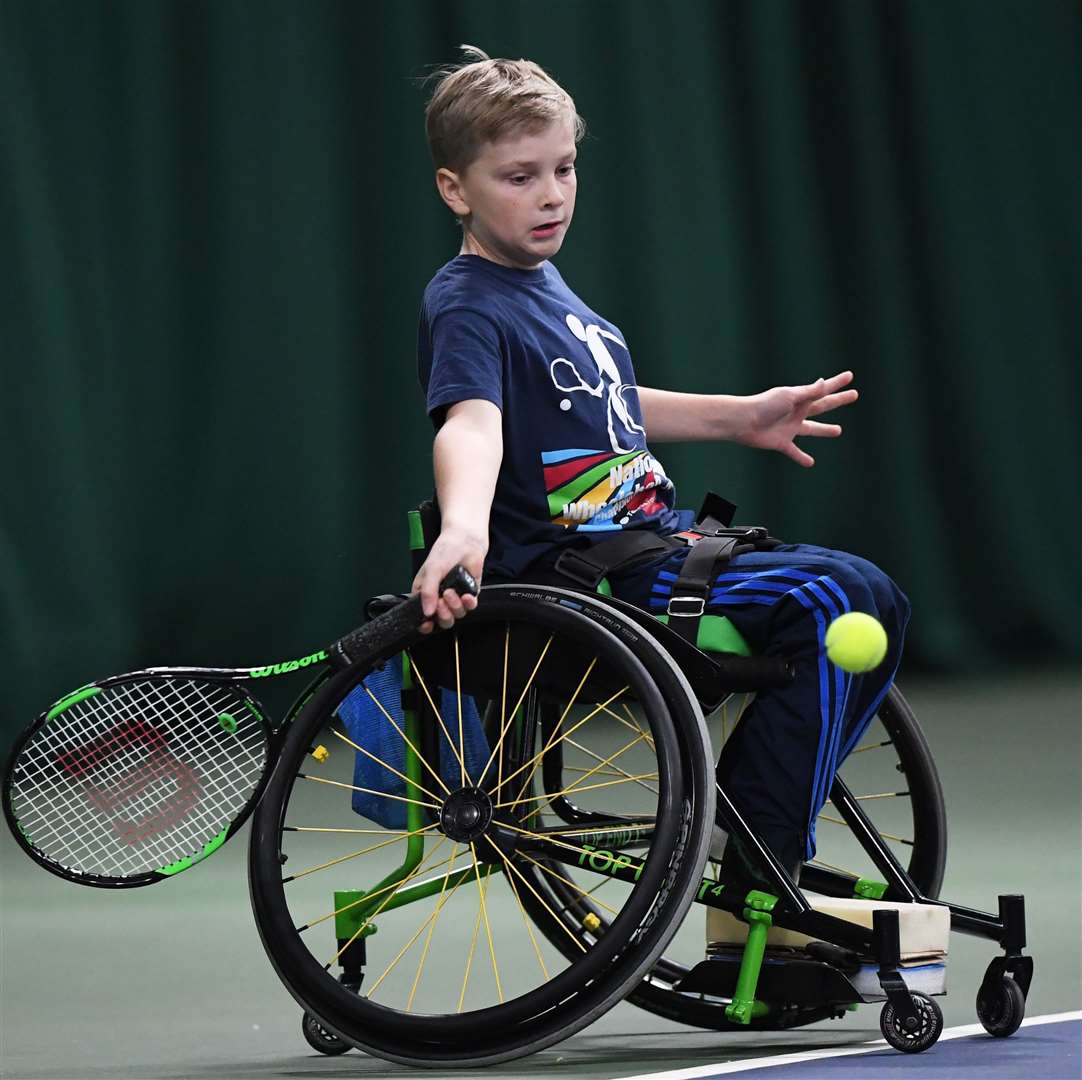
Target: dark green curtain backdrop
(217,220)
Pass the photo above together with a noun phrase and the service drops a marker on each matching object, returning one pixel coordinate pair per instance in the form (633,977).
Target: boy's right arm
(467,452)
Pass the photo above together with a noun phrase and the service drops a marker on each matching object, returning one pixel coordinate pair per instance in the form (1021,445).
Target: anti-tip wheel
(319,1038)
(1001,1006)
(926,1031)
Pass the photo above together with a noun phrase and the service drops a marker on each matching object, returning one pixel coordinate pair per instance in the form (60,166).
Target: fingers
(794,453)
(833,401)
(821,431)
(829,389)
(443,610)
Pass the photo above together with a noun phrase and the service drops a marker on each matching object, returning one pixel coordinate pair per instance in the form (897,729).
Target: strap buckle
(582,570)
(686,607)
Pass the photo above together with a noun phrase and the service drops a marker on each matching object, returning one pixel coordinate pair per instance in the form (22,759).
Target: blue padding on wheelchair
(367,726)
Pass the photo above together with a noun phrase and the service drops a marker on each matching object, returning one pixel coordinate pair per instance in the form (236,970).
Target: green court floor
(172,982)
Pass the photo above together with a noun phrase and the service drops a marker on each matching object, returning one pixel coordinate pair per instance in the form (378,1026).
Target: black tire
(907,752)
(319,1038)
(924,1035)
(1001,1007)
(608,965)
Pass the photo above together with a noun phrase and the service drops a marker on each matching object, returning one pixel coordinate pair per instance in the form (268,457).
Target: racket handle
(395,624)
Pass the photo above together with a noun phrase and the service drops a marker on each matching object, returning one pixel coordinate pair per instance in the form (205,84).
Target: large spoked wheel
(894,777)
(437,916)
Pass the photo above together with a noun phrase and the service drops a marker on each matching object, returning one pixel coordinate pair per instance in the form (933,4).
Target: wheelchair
(540,849)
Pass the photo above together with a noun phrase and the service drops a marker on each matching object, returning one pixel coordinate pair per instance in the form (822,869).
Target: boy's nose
(553,196)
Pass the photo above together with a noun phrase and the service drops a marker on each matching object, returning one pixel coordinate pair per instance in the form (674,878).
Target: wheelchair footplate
(820,974)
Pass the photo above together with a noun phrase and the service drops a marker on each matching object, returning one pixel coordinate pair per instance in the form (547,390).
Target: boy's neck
(472,246)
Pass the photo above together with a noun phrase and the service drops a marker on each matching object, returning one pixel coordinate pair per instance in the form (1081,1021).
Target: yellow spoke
(405,738)
(488,926)
(829,866)
(392,887)
(608,772)
(383,764)
(390,890)
(366,832)
(544,903)
(610,759)
(597,757)
(355,854)
(526,920)
(871,746)
(368,791)
(436,712)
(469,955)
(503,705)
(884,835)
(585,831)
(883,795)
(544,836)
(632,724)
(535,761)
(518,704)
(572,790)
(458,699)
(432,926)
(567,881)
(552,738)
(371,991)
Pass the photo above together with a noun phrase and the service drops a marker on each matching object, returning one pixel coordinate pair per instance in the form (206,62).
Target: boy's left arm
(770,420)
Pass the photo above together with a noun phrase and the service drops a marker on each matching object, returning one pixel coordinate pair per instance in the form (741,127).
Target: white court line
(700,1072)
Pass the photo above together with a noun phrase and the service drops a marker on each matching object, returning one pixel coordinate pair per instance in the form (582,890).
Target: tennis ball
(856,642)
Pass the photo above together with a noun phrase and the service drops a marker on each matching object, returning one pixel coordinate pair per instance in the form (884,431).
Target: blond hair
(483,100)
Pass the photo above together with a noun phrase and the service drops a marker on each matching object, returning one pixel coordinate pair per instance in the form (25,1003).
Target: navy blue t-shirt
(575,459)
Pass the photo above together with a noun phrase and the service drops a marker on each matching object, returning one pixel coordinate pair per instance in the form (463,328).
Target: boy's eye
(518,179)
(566,170)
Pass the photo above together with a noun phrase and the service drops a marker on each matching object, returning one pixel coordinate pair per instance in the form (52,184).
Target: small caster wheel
(926,1029)
(1001,1006)
(319,1038)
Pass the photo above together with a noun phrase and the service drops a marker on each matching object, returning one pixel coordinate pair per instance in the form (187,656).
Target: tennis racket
(132,779)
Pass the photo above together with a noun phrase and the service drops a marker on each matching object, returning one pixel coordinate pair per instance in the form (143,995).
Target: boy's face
(517,197)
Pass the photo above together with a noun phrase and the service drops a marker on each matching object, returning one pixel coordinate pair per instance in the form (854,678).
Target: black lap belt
(588,565)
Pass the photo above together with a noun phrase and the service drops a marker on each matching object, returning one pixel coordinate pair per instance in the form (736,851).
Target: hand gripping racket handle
(395,624)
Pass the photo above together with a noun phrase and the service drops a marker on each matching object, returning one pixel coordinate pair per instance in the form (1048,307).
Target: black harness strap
(692,587)
(708,557)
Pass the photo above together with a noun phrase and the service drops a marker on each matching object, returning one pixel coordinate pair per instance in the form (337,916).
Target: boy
(531,391)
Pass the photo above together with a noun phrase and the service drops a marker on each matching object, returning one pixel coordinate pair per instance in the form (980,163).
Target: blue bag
(367,726)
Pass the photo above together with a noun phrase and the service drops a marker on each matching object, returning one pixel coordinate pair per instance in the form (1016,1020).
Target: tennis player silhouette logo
(608,385)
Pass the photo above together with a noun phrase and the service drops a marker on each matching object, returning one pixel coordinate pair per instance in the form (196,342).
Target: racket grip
(390,627)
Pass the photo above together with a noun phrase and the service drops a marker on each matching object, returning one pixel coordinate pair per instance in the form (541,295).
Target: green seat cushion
(717,634)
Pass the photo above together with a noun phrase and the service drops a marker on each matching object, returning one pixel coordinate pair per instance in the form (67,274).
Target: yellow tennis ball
(856,642)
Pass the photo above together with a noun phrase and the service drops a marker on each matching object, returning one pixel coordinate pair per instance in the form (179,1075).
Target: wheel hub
(466,814)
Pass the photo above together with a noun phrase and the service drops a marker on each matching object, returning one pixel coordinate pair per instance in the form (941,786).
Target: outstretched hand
(778,416)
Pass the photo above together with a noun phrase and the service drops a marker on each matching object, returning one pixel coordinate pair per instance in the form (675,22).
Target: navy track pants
(778,765)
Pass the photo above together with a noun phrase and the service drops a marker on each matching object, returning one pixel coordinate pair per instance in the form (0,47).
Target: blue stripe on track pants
(778,765)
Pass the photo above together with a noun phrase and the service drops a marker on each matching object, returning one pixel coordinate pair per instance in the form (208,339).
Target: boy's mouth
(545,230)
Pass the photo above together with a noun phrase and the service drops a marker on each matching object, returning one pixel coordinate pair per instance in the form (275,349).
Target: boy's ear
(450,189)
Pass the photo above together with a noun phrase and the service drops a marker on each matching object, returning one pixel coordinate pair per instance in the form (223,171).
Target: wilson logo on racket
(289,665)
(160,766)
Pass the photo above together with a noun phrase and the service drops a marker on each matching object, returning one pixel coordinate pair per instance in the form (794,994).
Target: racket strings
(138,776)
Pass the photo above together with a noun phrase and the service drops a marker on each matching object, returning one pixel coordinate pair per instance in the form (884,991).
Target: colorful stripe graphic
(588,488)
